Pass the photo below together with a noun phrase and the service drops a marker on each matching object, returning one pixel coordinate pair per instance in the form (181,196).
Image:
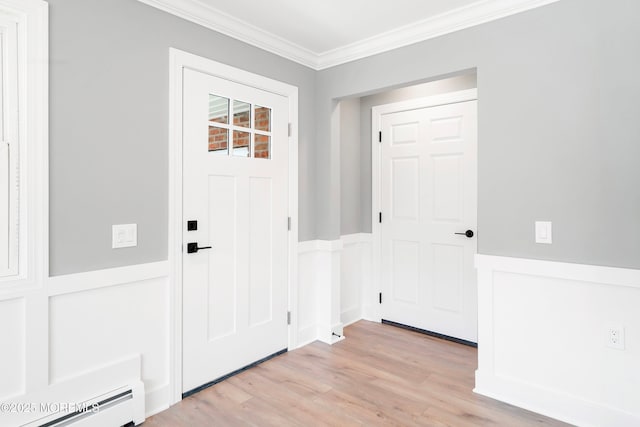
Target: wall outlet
(615,337)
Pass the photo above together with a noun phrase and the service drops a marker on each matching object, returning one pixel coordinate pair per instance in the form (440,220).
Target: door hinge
(289,129)
(380,136)
(380,217)
(288,317)
(380,297)
(289,223)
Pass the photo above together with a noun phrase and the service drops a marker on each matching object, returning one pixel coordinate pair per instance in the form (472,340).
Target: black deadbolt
(192,225)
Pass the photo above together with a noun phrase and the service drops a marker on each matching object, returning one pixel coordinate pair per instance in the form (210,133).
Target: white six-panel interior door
(235,180)
(428,194)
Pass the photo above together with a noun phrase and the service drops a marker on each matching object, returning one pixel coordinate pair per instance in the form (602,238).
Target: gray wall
(109,85)
(350,160)
(558,127)
(451,84)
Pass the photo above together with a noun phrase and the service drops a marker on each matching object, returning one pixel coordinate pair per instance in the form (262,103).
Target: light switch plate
(124,236)
(543,232)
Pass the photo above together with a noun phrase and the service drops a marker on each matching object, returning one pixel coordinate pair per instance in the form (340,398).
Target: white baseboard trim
(330,334)
(351,315)
(552,403)
(157,400)
(307,335)
(354,321)
(370,318)
(336,339)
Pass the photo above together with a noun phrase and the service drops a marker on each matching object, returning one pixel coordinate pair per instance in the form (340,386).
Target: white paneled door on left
(235,178)
(428,200)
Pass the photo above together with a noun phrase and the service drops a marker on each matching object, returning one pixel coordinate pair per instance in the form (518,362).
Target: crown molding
(480,12)
(455,20)
(209,17)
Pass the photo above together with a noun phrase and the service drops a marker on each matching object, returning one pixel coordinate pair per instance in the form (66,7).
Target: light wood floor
(379,375)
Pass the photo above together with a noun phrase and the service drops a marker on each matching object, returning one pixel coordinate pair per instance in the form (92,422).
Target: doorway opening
(360,210)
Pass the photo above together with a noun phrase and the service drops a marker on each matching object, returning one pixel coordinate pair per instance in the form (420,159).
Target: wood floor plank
(379,376)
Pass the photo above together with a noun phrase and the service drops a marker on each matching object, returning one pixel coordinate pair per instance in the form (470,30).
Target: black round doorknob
(468,233)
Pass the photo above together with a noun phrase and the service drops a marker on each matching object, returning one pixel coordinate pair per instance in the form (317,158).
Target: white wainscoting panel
(103,316)
(319,291)
(89,329)
(101,329)
(81,336)
(12,356)
(334,286)
(308,265)
(542,339)
(355,276)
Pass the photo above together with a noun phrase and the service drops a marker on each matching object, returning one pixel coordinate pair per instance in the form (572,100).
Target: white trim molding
(458,19)
(82,282)
(543,339)
(178,61)
(319,246)
(474,14)
(25,292)
(31,17)
(216,20)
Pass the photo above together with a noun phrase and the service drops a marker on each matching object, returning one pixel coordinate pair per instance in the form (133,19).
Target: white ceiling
(325,25)
(324,33)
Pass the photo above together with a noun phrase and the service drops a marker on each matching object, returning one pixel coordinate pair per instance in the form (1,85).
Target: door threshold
(431,333)
(229,375)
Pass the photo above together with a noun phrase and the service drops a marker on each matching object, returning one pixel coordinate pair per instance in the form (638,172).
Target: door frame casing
(376,185)
(179,60)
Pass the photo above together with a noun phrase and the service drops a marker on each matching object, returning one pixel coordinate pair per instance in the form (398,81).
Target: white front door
(235,181)
(429,196)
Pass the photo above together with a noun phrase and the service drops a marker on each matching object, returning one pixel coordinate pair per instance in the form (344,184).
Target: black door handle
(192,248)
(468,233)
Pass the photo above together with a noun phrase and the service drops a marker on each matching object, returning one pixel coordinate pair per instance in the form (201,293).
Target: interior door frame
(376,157)
(178,61)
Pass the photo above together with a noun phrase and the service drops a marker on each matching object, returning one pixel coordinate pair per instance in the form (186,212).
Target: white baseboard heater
(120,407)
